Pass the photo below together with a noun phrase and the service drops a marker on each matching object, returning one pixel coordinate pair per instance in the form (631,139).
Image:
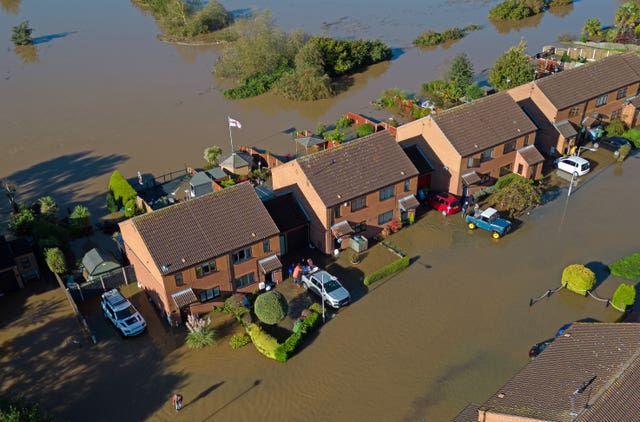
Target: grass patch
(627,267)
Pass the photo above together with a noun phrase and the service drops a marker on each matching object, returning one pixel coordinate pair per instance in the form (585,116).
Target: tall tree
(21,34)
(627,15)
(212,154)
(460,74)
(592,28)
(512,68)
(55,260)
(48,208)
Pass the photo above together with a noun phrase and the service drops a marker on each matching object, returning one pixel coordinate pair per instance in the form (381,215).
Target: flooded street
(100,92)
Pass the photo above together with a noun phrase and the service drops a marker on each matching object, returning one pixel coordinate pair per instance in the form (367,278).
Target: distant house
(238,163)
(472,145)
(193,255)
(357,187)
(581,97)
(17,264)
(98,263)
(591,373)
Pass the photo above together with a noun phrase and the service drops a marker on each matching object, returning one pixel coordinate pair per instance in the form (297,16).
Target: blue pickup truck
(489,220)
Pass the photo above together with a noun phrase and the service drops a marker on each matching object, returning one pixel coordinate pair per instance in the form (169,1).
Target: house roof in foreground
(191,232)
(357,168)
(590,373)
(577,85)
(482,124)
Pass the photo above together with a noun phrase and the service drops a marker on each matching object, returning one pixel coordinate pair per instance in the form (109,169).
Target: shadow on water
(62,178)
(255,384)
(205,393)
(600,270)
(46,38)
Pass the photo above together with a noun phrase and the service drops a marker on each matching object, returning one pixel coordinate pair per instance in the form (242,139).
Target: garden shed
(97,263)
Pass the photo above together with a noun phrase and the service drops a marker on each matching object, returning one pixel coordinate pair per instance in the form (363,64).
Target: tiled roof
(580,84)
(590,373)
(270,264)
(236,159)
(286,212)
(531,155)
(356,168)
(468,414)
(184,298)
(194,231)
(483,124)
(566,129)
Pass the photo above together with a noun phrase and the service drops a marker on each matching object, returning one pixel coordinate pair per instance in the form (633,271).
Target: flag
(234,123)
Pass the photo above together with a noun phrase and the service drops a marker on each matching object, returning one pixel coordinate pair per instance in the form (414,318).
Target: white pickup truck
(327,287)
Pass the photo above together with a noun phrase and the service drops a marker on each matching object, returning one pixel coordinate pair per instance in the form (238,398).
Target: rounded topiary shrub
(625,295)
(578,278)
(271,307)
(365,129)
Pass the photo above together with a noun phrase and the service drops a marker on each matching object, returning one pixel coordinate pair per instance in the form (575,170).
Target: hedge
(625,295)
(578,278)
(387,270)
(627,267)
(266,344)
(123,192)
(291,344)
(271,307)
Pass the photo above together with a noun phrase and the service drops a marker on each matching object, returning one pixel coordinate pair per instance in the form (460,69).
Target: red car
(445,203)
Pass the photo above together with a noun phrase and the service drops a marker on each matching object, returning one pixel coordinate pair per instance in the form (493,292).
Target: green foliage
(345,56)
(592,28)
(212,154)
(615,127)
(578,278)
(512,68)
(54,233)
(80,221)
(344,122)
(627,267)
(271,307)
(227,183)
(431,38)
(55,260)
(335,136)
(234,305)
(122,190)
(623,152)
(517,195)
(130,208)
(627,15)
(48,208)
(508,179)
(201,338)
(307,83)
(565,58)
(316,307)
(294,341)
(473,92)
(459,74)
(321,129)
(19,411)
(428,38)
(625,295)
(365,129)
(112,204)
(387,270)
(634,136)
(516,9)
(264,343)
(21,34)
(21,223)
(239,340)
(188,19)
(257,84)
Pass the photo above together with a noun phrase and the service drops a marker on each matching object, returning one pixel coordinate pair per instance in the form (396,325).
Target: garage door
(8,282)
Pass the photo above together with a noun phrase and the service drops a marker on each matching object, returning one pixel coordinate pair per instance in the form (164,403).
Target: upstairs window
(179,280)
(206,268)
(245,280)
(242,255)
(601,101)
(509,146)
(487,155)
(574,111)
(407,185)
(358,203)
(336,211)
(622,92)
(386,193)
(266,246)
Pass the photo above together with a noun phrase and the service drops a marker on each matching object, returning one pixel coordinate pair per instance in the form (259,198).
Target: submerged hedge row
(387,270)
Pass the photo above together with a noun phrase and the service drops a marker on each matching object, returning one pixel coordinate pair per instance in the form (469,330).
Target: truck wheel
(495,235)
(471,226)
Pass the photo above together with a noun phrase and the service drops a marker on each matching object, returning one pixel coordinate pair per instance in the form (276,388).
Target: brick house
(355,188)
(192,255)
(590,373)
(567,104)
(473,144)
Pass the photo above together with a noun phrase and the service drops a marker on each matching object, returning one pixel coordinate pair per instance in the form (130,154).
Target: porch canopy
(269,264)
(184,298)
(342,228)
(408,203)
(471,178)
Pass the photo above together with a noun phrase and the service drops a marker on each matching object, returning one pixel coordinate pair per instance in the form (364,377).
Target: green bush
(55,260)
(293,342)
(627,267)
(578,278)
(316,307)
(205,336)
(365,129)
(508,179)
(634,136)
(264,343)
(122,190)
(227,183)
(625,295)
(615,127)
(80,221)
(344,122)
(22,222)
(19,411)
(21,34)
(387,270)
(130,208)
(623,152)
(271,307)
(346,56)
(515,10)
(428,38)
(112,204)
(239,340)
(256,85)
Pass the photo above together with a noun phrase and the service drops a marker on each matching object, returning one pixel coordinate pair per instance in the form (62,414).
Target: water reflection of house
(359,186)
(194,254)
(581,97)
(471,145)
(590,373)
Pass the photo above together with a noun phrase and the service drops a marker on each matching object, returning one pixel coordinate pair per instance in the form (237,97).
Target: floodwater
(99,92)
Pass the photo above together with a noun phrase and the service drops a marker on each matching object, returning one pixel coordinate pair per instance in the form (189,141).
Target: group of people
(305,266)
(466,206)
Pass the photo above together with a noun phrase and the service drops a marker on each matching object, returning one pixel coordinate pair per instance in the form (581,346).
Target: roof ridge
(470,103)
(340,147)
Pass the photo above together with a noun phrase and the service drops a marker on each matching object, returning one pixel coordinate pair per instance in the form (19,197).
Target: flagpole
(230,137)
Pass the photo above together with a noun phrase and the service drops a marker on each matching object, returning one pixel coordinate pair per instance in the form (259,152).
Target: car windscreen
(331,285)
(124,313)
(585,166)
(455,204)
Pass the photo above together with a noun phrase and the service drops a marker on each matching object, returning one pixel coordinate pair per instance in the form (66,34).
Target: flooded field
(99,92)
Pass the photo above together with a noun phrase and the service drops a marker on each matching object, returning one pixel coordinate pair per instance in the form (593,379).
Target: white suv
(577,166)
(327,287)
(122,314)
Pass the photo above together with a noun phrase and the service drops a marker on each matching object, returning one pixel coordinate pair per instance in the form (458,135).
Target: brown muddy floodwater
(99,92)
